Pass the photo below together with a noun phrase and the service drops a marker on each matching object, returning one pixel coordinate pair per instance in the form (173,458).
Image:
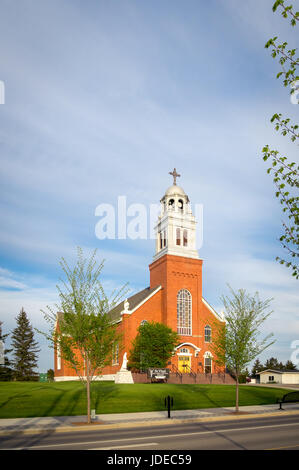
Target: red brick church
(174,296)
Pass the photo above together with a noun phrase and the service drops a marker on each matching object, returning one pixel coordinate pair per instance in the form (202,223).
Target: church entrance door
(184,364)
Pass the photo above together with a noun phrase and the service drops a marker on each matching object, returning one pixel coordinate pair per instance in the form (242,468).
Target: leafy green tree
(5,369)
(153,346)
(25,349)
(236,341)
(50,375)
(285,173)
(85,334)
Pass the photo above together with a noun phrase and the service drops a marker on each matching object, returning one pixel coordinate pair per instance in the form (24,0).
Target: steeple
(176,226)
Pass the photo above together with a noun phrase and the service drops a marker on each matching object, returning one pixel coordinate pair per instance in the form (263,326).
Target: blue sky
(103,99)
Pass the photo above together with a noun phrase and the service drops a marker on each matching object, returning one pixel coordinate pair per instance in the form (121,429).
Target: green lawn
(28,399)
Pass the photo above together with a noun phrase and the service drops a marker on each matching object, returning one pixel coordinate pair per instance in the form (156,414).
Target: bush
(50,375)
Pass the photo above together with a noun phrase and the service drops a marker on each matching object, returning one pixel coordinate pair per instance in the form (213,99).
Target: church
(174,296)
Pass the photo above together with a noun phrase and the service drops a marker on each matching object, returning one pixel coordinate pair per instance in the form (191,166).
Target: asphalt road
(273,433)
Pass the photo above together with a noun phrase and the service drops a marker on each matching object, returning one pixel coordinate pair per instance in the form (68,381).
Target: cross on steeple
(175,175)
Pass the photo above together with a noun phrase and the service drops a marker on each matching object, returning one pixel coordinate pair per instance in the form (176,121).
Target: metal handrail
(190,371)
(176,371)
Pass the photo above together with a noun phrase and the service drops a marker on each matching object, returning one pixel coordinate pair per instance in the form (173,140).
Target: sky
(102,100)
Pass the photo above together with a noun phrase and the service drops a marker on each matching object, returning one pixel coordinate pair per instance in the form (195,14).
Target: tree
(25,349)
(5,369)
(285,173)
(50,375)
(257,367)
(85,335)
(236,341)
(153,346)
(289,365)
(273,363)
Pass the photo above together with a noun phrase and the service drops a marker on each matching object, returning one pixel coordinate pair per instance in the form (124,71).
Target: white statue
(125,362)
(126,306)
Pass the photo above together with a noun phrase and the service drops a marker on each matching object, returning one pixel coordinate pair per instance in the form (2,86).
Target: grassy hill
(29,399)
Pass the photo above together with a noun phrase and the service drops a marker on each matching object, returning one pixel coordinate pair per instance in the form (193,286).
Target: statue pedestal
(123,377)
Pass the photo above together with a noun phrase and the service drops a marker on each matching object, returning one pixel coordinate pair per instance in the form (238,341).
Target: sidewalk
(102,421)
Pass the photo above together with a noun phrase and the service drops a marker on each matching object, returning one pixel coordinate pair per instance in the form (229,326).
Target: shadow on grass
(260,395)
(63,405)
(17,396)
(205,393)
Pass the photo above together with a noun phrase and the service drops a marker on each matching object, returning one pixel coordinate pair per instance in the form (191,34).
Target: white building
(279,376)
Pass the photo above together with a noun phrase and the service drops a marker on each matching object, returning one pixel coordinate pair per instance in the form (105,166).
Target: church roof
(175,190)
(134,301)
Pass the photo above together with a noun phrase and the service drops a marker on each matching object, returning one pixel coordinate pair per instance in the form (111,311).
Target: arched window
(208,362)
(184,312)
(143,322)
(171,204)
(208,334)
(180,205)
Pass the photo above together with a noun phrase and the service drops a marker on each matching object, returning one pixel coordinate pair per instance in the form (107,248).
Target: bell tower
(176,226)
(176,264)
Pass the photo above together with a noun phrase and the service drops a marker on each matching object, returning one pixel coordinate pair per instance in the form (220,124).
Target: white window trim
(58,357)
(191,316)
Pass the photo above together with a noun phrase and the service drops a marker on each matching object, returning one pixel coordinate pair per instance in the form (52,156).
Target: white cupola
(176,226)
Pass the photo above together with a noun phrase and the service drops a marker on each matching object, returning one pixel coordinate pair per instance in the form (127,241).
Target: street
(265,433)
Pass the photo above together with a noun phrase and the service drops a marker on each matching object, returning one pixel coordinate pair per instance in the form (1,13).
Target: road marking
(162,436)
(128,445)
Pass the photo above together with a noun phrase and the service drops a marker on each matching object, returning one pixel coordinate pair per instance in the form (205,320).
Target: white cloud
(99,105)
(272,281)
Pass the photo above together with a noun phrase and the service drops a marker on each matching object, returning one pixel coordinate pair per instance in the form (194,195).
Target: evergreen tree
(25,349)
(289,365)
(257,367)
(5,369)
(272,363)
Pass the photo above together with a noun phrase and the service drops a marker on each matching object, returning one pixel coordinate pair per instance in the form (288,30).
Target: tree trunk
(237,393)
(88,393)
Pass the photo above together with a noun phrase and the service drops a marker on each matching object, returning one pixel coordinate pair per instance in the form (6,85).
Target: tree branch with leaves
(236,341)
(285,173)
(82,333)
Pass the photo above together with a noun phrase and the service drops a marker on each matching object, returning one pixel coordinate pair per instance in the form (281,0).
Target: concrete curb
(128,424)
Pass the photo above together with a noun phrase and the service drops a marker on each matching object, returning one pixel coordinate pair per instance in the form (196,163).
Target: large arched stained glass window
(184,312)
